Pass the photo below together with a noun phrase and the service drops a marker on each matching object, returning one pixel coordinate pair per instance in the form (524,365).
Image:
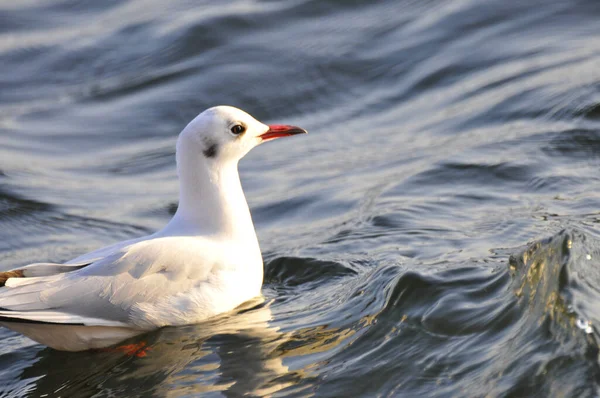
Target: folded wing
(121,289)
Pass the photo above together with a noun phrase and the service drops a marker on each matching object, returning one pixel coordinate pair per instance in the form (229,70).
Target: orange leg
(139,350)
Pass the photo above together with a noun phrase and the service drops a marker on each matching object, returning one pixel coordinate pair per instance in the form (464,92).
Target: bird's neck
(211,200)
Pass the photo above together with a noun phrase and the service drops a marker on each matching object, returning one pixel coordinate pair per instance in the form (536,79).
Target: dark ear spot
(210,151)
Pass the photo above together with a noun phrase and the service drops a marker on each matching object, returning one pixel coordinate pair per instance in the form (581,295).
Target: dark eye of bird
(238,129)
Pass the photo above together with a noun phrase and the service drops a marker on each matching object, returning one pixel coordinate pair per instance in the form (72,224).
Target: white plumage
(206,261)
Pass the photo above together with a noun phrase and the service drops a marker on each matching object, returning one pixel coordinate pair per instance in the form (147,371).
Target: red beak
(281,130)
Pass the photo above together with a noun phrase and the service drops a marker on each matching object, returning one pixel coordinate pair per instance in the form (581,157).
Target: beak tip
(280,130)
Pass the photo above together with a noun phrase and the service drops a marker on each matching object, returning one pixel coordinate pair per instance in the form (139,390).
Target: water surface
(436,233)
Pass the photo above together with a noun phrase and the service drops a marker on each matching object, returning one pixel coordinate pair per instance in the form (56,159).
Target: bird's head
(225,133)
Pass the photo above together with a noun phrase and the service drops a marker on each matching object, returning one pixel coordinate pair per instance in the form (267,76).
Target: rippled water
(412,241)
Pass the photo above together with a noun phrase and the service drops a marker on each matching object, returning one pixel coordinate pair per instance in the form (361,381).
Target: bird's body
(204,262)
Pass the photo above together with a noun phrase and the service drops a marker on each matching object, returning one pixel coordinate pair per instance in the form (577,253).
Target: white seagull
(204,262)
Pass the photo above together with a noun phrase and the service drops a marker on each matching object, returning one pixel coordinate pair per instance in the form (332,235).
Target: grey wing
(41,269)
(105,292)
(52,293)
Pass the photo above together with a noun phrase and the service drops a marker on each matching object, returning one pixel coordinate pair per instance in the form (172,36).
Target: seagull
(206,261)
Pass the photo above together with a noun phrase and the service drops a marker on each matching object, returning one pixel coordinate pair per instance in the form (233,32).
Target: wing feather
(55,317)
(37,270)
(110,291)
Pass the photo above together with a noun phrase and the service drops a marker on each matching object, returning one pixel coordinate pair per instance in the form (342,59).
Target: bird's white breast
(231,275)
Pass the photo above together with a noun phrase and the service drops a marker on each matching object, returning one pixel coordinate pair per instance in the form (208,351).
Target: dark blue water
(435,235)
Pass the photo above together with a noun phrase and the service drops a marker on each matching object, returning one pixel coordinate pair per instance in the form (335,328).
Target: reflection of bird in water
(236,354)
(204,262)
